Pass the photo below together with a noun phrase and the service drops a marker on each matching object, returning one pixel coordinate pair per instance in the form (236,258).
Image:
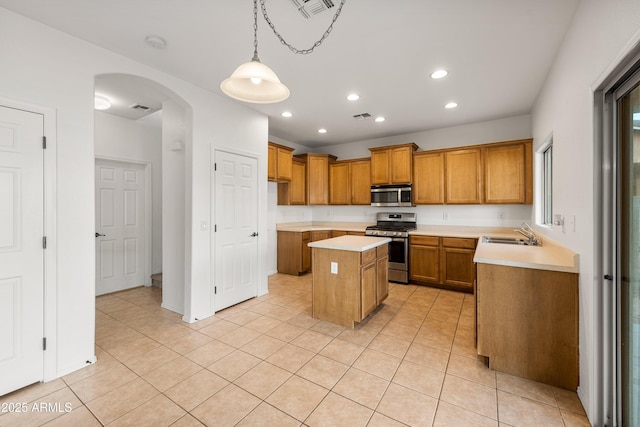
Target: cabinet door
(382,270)
(306,253)
(401,165)
(290,252)
(463,178)
(318,180)
(458,268)
(298,183)
(338,233)
(339,192)
(272,157)
(283,169)
(428,179)
(360,180)
(424,263)
(380,167)
(368,278)
(504,174)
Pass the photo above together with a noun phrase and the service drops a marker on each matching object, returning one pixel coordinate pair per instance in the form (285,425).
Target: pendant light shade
(255,82)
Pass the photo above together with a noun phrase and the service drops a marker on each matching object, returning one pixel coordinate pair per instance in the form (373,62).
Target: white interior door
(236,225)
(21,249)
(120,226)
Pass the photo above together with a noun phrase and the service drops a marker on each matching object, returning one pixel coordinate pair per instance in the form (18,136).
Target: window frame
(545,156)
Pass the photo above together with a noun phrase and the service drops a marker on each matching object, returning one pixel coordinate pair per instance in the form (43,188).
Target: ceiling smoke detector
(309,8)
(140,107)
(362,116)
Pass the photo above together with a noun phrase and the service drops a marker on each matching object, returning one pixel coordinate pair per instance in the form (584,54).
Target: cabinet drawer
(456,242)
(382,250)
(424,240)
(368,256)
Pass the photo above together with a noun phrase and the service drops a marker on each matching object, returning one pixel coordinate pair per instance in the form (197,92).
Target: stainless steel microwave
(391,195)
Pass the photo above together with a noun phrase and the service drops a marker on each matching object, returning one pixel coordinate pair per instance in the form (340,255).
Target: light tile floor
(267,362)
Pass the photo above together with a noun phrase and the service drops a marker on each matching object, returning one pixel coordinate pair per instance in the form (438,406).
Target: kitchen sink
(507,240)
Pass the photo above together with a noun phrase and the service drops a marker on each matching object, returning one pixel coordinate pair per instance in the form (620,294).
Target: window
(547,184)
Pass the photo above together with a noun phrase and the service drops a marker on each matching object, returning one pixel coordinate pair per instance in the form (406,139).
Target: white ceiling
(498,53)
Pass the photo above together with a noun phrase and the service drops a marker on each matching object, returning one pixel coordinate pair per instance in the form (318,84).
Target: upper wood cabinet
(508,173)
(295,191)
(392,164)
(360,181)
(428,178)
(339,183)
(317,177)
(279,163)
(463,176)
(350,182)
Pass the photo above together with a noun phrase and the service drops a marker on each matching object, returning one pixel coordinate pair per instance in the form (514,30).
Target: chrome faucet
(526,230)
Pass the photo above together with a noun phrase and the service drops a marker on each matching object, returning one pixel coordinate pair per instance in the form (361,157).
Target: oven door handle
(398,239)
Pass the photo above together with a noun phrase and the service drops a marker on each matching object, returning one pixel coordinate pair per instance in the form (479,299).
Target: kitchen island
(350,278)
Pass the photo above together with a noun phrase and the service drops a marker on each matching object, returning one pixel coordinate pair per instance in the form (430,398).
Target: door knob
(100,235)
(254,234)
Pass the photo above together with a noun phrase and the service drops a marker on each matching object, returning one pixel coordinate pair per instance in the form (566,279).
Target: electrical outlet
(445,215)
(334,267)
(500,215)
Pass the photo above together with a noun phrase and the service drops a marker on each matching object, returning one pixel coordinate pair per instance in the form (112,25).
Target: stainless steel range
(397,227)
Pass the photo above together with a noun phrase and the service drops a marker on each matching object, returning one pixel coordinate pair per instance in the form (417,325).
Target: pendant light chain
(282,40)
(255,31)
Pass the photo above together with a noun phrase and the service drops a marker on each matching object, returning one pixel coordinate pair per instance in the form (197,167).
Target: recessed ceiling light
(438,74)
(380,119)
(101,103)
(323,130)
(353,97)
(287,114)
(451,105)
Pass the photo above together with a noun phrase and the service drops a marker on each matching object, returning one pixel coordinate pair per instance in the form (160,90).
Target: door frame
(50,284)
(212,216)
(607,398)
(148,204)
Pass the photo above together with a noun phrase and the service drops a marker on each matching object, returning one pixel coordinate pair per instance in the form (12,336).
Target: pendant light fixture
(253,81)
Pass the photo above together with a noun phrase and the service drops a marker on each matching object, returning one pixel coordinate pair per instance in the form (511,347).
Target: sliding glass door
(628,114)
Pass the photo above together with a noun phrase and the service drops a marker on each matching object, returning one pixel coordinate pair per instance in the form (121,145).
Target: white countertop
(301,227)
(549,256)
(350,243)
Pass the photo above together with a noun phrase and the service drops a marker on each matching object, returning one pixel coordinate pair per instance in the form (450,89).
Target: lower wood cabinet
(527,323)
(445,262)
(294,256)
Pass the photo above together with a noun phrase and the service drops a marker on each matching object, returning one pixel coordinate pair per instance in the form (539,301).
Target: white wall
(600,33)
(123,139)
(45,67)
(173,207)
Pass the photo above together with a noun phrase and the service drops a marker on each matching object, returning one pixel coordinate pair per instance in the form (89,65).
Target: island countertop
(350,243)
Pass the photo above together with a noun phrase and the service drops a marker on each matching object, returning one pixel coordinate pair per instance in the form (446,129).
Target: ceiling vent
(309,8)
(140,107)
(362,116)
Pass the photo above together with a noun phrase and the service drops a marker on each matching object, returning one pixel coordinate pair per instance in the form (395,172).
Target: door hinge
(215,228)
(215,166)
(608,277)
(44,343)
(44,242)
(215,290)
(44,142)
